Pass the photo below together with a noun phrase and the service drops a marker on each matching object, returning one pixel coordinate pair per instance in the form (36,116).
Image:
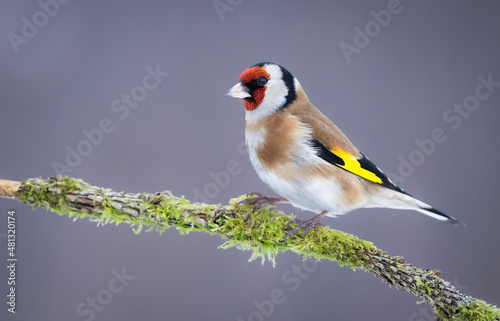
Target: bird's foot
(306,225)
(260,200)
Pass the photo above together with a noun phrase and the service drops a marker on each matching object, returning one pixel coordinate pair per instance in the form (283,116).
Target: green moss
(51,194)
(471,310)
(475,310)
(427,285)
(262,233)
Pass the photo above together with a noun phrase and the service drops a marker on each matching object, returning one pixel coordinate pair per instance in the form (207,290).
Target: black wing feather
(364,162)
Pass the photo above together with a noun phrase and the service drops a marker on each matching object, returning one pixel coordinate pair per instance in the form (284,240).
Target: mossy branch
(262,232)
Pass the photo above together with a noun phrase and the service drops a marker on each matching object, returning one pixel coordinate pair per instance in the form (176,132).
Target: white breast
(293,181)
(253,140)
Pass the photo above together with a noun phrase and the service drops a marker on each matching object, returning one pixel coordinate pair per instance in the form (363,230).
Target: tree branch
(262,232)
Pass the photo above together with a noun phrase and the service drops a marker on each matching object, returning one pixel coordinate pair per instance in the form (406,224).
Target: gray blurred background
(66,73)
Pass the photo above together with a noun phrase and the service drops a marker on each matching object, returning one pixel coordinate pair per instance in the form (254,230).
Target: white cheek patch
(275,95)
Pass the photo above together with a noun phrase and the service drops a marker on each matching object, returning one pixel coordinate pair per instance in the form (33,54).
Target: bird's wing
(335,148)
(362,167)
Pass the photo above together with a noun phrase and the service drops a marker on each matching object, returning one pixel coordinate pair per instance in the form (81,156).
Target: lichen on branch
(262,232)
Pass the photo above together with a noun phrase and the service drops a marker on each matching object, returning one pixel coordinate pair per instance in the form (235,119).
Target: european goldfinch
(305,158)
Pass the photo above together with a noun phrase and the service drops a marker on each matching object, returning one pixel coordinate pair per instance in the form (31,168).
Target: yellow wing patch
(352,165)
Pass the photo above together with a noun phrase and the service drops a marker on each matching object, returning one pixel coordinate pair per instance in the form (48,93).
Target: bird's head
(265,87)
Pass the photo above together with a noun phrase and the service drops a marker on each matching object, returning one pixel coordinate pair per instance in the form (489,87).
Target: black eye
(261,81)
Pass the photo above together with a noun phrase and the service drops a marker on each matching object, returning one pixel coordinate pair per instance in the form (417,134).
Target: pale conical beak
(238,91)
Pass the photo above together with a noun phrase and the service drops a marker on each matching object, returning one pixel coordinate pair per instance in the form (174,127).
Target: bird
(305,158)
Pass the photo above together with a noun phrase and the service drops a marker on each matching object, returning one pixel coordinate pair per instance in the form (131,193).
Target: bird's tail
(434,213)
(394,199)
